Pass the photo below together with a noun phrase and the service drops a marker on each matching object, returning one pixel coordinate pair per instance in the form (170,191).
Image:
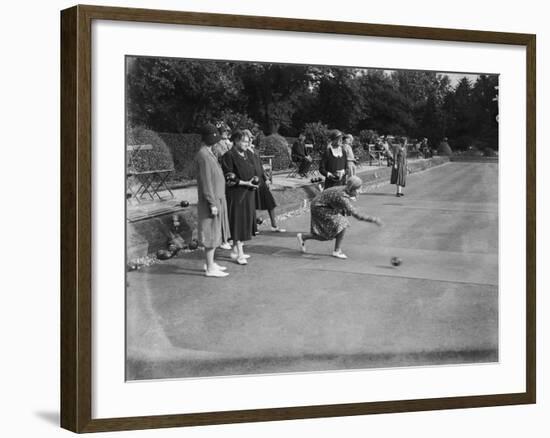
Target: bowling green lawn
(290,312)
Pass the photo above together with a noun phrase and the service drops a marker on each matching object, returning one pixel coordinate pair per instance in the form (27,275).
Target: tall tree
(176,95)
(390,112)
(274,91)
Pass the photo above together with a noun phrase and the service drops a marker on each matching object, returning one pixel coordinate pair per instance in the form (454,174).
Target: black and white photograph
(289,218)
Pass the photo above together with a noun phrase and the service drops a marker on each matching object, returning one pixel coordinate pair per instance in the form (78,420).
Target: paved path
(288,312)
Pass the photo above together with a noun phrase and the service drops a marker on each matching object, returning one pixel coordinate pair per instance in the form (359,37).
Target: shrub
(367,136)
(276,145)
(235,120)
(142,160)
(444,149)
(183,148)
(361,152)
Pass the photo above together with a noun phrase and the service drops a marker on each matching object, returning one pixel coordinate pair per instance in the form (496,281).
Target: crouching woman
(329,211)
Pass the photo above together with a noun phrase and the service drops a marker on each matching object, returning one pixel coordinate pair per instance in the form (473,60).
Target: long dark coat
(241,202)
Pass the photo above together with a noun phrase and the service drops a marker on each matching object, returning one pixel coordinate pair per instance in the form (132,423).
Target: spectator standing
(211,204)
(399,168)
(300,155)
(223,145)
(264,197)
(333,161)
(350,156)
(241,204)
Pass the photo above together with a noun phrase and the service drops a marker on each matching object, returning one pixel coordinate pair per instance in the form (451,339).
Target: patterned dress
(399,173)
(329,211)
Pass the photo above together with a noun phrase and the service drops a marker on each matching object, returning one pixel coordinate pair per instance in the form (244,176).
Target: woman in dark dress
(399,168)
(241,203)
(264,197)
(333,162)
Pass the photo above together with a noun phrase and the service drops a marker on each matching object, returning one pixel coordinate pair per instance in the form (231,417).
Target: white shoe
(236,256)
(278,230)
(241,261)
(301,242)
(218,274)
(225,245)
(216,267)
(339,255)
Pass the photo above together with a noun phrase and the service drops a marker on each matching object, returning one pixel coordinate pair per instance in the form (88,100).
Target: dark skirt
(264,198)
(399,175)
(241,211)
(329,182)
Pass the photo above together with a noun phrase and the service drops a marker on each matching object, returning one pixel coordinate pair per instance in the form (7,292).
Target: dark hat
(210,134)
(334,135)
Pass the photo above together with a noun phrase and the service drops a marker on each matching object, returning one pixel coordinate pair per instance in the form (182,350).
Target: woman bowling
(328,216)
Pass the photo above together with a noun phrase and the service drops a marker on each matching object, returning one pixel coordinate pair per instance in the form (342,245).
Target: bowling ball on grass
(396,261)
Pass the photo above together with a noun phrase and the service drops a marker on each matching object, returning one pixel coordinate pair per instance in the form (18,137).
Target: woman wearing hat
(241,203)
(399,168)
(264,197)
(221,147)
(347,145)
(328,216)
(333,161)
(211,204)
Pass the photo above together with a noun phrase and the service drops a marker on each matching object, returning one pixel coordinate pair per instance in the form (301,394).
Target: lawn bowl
(163,254)
(396,261)
(230,179)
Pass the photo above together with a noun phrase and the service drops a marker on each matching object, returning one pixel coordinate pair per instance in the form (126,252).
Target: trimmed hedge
(157,158)
(183,148)
(276,145)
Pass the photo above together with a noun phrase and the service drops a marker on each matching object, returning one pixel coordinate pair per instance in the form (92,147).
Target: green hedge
(276,145)
(183,148)
(156,158)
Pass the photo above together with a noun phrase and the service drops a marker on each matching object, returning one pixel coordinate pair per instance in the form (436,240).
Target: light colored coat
(211,193)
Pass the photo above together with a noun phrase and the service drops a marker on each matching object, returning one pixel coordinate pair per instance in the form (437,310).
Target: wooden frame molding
(76,214)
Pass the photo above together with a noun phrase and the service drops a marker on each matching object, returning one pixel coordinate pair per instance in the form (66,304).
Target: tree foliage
(178,96)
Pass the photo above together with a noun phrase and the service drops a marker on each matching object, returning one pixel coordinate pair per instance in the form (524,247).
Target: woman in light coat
(213,223)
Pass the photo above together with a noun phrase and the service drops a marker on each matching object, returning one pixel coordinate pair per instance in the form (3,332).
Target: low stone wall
(147,235)
(473,159)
